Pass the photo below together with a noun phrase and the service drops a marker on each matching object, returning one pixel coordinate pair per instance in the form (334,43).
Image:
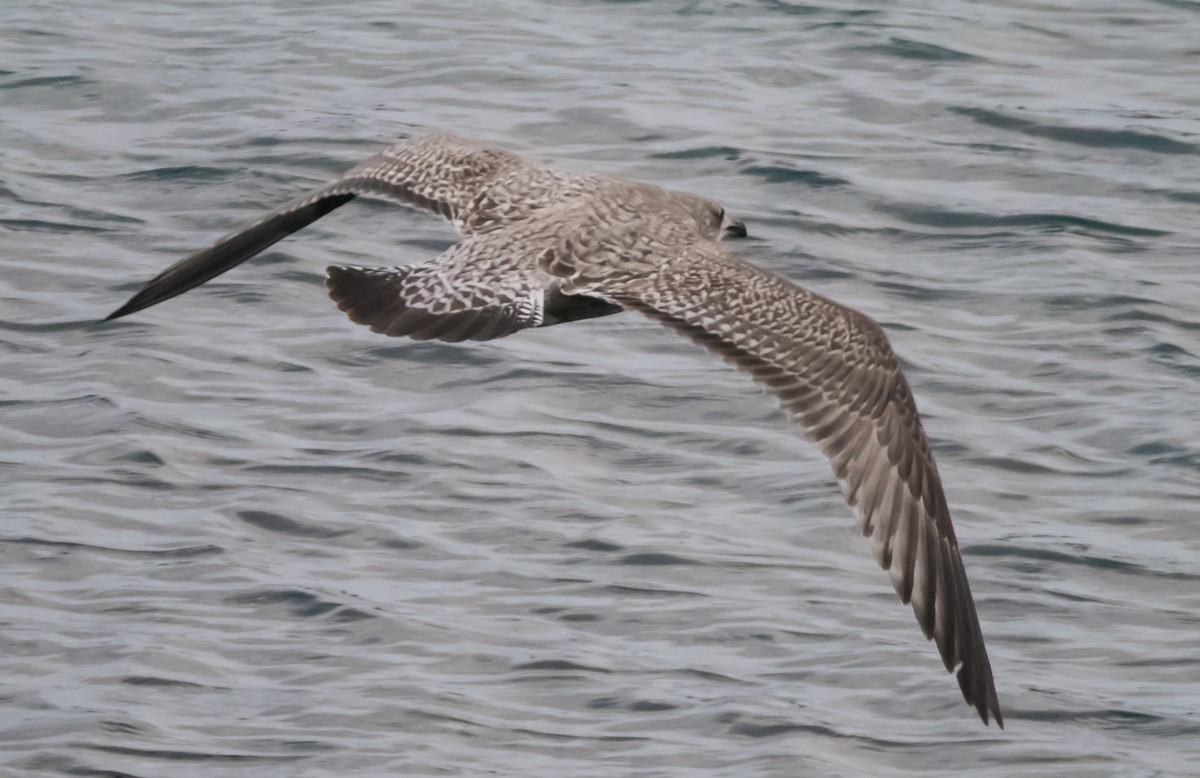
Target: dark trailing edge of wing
(206,264)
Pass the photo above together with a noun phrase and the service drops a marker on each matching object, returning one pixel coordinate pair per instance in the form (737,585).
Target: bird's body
(541,246)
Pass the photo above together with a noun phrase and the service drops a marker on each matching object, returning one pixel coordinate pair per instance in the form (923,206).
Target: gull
(540,246)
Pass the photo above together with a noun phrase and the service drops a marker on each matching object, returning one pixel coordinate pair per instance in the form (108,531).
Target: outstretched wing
(441,173)
(834,373)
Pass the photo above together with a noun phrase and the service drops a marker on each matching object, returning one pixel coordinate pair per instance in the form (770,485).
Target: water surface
(242,536)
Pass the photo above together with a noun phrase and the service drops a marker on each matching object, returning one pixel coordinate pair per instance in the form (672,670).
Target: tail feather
(386,300)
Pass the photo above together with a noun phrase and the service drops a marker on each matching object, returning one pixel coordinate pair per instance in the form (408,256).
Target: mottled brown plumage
(542,246)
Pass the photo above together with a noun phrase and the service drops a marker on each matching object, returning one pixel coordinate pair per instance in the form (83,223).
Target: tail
(396,301)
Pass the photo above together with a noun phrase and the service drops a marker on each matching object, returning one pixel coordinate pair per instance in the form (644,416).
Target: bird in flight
(542,246)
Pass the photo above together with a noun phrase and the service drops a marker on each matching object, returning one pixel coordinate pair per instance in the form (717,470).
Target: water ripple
(240,534)
(1080,136)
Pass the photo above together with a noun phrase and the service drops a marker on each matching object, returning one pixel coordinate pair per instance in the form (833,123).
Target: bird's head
(731,227)
(713,221)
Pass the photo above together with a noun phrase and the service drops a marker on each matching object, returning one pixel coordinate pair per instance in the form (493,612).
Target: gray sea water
(241,536)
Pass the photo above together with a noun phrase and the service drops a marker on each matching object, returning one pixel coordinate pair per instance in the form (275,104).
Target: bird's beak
(735,229)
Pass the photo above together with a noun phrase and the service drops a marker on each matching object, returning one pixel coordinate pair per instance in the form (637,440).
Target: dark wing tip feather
(231,251)
(902,508)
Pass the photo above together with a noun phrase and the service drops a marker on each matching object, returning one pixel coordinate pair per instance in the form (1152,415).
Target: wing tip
(139,302)
(979,691)
(989,705)
(124,310)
